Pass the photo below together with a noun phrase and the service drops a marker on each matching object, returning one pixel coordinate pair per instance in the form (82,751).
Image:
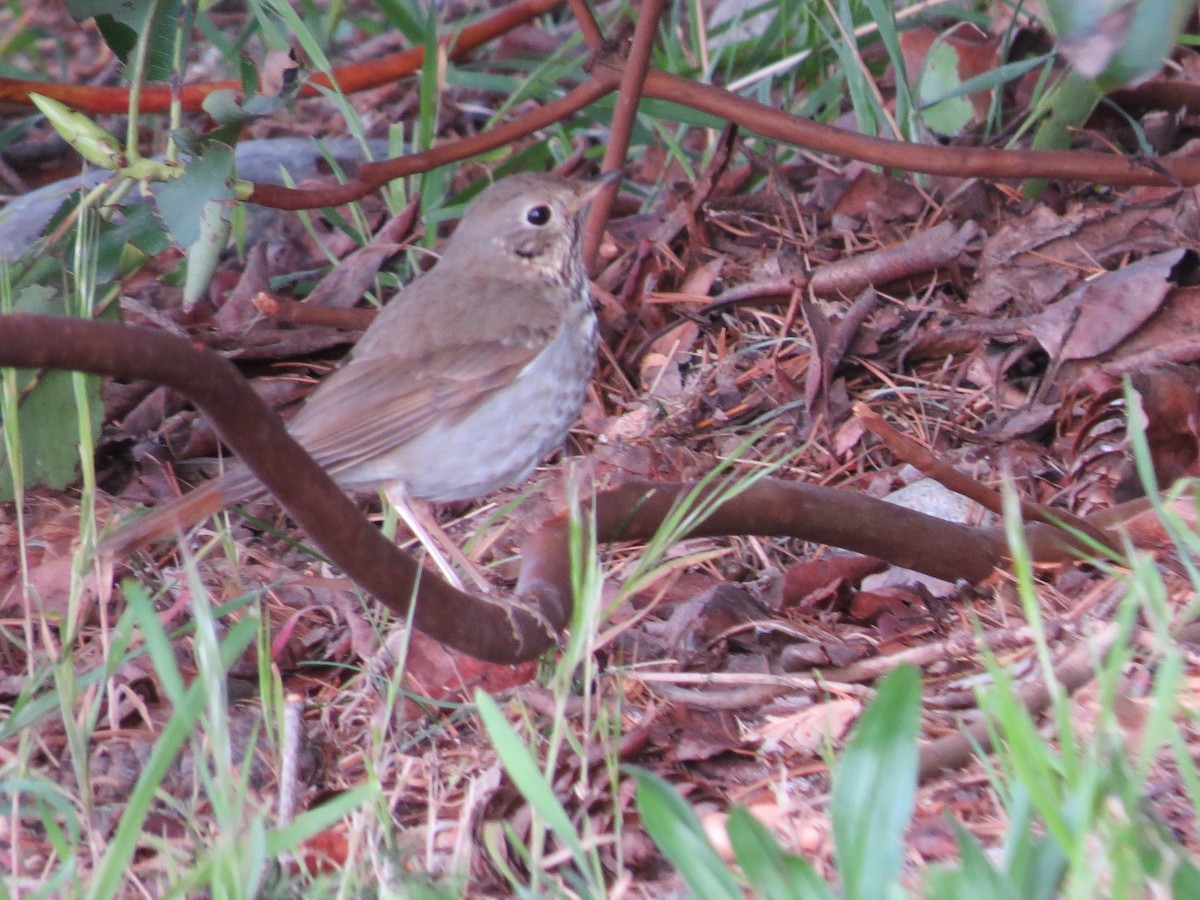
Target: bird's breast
(504,437)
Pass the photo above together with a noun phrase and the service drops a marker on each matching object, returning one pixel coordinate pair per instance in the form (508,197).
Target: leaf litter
(1002,355)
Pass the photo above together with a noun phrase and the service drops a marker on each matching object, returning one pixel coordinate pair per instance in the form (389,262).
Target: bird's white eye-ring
(538,215)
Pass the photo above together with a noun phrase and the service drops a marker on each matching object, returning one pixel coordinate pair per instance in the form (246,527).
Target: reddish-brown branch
(606,76)
(492,628)
(156,98)
(810,512)
(295,313)
(590,28)
(485,627)
(629,95)
(932,159)
(374,175)
(771,123)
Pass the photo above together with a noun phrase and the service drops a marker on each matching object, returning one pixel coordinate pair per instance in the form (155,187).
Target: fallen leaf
(1109,308)
(805,733)
(1171,405)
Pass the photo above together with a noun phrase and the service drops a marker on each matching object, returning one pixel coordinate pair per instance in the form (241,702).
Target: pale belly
(499,443)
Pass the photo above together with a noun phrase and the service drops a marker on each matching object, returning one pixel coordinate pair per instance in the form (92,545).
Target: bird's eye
(538,215)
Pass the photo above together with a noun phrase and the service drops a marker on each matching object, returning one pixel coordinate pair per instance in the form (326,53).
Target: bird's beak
(589,189)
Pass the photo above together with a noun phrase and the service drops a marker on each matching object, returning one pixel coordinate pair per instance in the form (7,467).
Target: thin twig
(156,98)
(629,95)
(1076,670)
(588,26)
(372,176)
(939,470)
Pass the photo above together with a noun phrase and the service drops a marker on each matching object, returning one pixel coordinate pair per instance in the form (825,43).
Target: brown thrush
(464,381)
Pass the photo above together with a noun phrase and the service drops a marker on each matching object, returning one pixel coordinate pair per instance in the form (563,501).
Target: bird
(462,384)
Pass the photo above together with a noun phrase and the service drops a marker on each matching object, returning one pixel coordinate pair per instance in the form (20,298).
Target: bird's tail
(173,519)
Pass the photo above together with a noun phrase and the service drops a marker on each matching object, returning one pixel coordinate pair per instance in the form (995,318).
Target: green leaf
(50,802)
(874,787)
(1118,44)
(131,13)
(288,838)
(1033,861)
(976,877)
(772,872)
(86,138)
(407,18)
(181,203)
(121,21)
(189,705)
(196,209)
(1186,881)
(136,230)
(227,108)
(47,423)
(126,238)
(944,115)
(205,252)
(523,770)
(677,832)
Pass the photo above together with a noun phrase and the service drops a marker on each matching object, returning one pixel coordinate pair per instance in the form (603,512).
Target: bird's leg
(420,521)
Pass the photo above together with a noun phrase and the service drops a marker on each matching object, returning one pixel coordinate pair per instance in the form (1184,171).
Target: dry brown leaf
(808,583)
(1106,310)
(805,733)
(873,194)
(1030,261)
(1171,405)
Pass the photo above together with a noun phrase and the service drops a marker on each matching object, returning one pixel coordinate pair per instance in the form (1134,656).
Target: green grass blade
(112,867)
(874,788)
(314,821)
(772,872)
(523,770)
(674,827)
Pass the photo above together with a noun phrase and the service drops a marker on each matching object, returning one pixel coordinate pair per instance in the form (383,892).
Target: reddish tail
(169,521)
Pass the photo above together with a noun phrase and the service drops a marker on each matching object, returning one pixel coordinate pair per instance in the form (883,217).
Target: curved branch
(774,508)
(156,98)
(961,162)
(475,625)
(494,628)
(932,159)
(620,130)
(372,176)
(588,26)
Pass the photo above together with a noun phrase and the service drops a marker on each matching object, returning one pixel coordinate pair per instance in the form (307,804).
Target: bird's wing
(380,401)
(440,349)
